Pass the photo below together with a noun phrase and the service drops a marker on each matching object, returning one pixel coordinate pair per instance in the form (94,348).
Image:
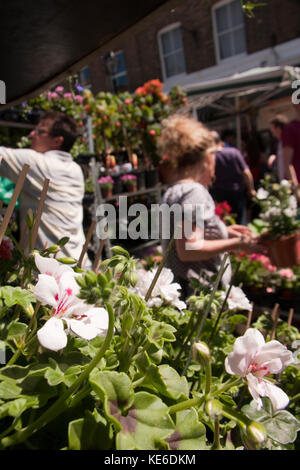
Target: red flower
(223,209)
(6,248)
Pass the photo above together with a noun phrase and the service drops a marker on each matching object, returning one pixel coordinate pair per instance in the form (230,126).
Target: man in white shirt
(49,158)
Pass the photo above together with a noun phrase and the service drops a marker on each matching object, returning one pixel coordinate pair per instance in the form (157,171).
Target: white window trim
(161,54)
(216,35)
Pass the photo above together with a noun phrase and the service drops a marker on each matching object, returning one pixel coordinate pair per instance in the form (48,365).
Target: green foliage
(138,388)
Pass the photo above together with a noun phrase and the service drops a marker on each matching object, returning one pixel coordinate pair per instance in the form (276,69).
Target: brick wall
(272,24)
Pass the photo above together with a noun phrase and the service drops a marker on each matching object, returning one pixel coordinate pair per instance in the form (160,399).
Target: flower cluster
(278,208)
(58,288)
(165,290)
(129,179)
(106,182)
(223,210)
(254,359)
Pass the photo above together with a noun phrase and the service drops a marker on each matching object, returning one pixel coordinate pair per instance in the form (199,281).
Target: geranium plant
(115,360)
(278,215)
(129,180)
(106,182)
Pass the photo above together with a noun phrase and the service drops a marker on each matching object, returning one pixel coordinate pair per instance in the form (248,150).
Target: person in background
(49,158)
(291,150)
(275,161)
(228,136)
(190,147)
(233,179)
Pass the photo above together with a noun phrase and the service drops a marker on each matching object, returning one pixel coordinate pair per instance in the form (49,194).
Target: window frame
(119,74)
(216,34)
(89,85)
(162,31)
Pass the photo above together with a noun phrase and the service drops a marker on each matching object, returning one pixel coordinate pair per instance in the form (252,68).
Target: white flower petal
(52,335)
(253,385)
(277,396)
(91,324)
(276,355)
(237,364)
(50,266)
(81,329)
(46,290)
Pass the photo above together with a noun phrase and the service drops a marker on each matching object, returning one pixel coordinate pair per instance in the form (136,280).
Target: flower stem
(60,404)
(207,310)
(184,405)
(159,269)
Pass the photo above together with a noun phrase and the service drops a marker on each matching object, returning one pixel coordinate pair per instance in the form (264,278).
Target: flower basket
(283,252)
(129,183)
(106,185)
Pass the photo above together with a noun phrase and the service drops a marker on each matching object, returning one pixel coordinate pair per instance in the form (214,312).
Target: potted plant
(129,182)
(277,223)
(106,185)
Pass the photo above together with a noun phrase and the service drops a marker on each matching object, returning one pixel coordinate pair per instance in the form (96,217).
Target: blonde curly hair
(184,141)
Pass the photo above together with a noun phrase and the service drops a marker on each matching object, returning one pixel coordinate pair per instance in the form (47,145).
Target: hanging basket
(283,252)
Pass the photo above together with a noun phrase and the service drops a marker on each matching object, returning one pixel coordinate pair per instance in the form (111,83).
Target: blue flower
(79,88)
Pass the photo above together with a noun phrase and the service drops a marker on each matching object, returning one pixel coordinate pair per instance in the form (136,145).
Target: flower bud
(213,408)
(67,260)
(53,249)
(91,278)
(30,218)
(29,310)
(201,351)
(256,432)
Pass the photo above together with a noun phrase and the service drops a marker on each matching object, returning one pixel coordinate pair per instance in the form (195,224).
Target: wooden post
(12,202)
(250,316)
(275,316)
(87,241)
(39,213)
(98,257)
(290,318)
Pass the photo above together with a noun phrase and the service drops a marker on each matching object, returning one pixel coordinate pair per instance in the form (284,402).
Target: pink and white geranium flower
(51,267)
(254,359)
(59,289)
(164,290)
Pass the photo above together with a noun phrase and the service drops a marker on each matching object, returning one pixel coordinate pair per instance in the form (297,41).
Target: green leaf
(166,381)
(75,434)
(16,330)
(189,434)
(281,426)
(9,390)
(97,432)
(146,424)
(115,391)
(160,332)
(16,296)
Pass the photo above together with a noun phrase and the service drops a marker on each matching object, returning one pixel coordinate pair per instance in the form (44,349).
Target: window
(229,29)
(119,78)
(171,51)
(84,77)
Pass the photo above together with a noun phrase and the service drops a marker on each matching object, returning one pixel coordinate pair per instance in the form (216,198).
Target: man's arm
(13,161)
(248,180)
